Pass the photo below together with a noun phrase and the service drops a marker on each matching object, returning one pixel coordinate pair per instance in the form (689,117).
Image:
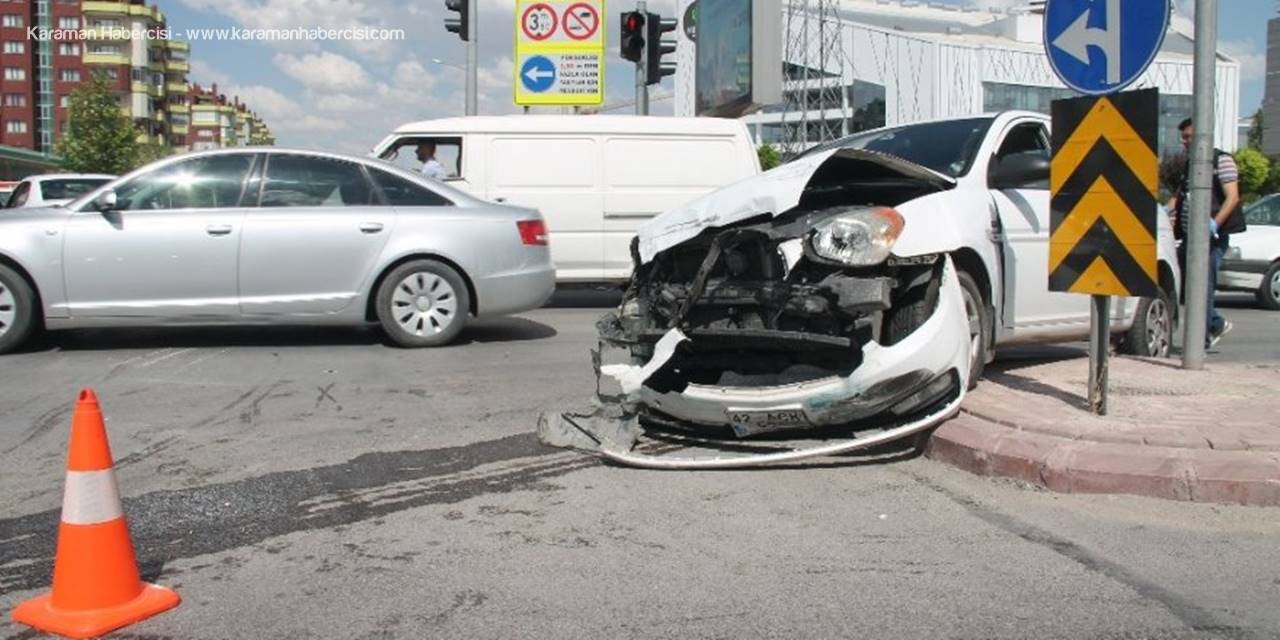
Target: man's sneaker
(1214,339)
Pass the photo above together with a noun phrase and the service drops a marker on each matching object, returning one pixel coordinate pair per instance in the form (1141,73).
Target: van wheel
(17,310)
(979,327)
(423,303)
(1151,335)
(1269,292)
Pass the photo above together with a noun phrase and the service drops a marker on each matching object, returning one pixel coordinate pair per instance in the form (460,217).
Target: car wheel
(979,327)
(17,310)
(423,303)
(1152,332)
(1269,293)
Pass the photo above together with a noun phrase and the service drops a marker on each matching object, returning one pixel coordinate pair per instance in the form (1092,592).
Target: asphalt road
(299,483)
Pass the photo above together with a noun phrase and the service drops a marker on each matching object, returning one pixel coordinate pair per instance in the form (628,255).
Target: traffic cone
(96,588)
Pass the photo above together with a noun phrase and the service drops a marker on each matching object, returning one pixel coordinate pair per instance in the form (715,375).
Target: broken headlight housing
(859,238)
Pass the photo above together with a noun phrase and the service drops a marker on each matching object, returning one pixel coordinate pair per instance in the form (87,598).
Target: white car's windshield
(946,147)
(1264,212)
(70,188)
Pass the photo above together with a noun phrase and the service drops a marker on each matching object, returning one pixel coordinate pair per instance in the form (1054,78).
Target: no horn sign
(559,52)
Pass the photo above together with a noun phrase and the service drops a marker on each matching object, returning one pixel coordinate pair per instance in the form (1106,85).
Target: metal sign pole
(642,81)
(1200,183)
(472,56)
(1099,352)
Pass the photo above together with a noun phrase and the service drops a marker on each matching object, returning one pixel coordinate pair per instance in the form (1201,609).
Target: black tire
(17,310)
(1269,293)
(980,322)
(1151,335)
(400,305)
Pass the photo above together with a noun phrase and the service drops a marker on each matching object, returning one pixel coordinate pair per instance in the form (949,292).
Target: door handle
(218,229)
(371,227)
(500,200)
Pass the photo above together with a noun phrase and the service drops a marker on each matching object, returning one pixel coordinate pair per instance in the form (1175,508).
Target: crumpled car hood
(773,192)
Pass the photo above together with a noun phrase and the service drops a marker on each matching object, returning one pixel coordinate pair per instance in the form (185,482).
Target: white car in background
(54,189)
(1252,263)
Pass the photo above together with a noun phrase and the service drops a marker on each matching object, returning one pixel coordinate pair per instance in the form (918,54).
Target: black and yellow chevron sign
(1103,180)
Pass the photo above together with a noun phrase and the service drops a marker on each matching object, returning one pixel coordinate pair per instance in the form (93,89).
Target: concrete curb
(997,447)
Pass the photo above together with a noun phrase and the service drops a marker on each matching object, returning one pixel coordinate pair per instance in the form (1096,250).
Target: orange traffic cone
(96,588)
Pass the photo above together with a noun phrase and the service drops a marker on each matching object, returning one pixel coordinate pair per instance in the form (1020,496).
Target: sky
(346,96)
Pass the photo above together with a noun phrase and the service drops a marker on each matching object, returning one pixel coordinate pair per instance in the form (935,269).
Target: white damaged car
(869,281)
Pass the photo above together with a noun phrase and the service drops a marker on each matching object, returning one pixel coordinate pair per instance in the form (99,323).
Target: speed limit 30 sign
(559,52)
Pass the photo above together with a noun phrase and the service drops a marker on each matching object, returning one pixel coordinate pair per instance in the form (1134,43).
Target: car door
(313,239)
(169,247)
(1024,220)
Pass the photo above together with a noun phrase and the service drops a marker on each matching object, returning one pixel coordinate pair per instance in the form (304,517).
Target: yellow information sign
(559,56)
(1103,180)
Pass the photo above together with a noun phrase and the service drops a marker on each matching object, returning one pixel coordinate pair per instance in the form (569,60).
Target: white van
(594,178)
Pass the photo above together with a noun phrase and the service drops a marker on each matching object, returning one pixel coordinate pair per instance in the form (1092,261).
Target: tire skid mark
(44,423)
(245,512)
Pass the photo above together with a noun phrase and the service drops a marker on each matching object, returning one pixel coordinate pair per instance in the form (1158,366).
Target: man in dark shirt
(1225,218)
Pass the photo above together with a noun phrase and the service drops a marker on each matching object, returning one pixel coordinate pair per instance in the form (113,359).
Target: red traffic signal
(632,42)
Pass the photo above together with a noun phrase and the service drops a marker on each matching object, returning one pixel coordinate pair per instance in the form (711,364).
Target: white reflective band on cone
(91,497)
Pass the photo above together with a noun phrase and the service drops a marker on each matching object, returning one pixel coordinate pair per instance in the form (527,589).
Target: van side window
(407,151)
(398,192)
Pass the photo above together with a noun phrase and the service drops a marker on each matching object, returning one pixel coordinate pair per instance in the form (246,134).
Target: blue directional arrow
(1102,46)
(538,74)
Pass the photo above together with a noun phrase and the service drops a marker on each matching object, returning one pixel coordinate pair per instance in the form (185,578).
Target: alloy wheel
(424,304)
(1159,331)
(1275,287)
(973,313)
(8,309)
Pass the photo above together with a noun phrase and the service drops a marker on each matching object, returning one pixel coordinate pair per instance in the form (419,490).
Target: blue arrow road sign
(538,74)
(1102,46)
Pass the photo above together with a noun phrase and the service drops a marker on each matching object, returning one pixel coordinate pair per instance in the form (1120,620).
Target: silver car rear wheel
(423,303)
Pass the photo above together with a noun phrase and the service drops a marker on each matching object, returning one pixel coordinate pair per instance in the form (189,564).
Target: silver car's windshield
(947,147)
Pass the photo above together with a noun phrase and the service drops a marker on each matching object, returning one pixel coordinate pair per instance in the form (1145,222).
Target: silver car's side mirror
(106,201)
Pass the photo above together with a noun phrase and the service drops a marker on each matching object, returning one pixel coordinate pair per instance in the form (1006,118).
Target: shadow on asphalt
(581,297)
(508,329)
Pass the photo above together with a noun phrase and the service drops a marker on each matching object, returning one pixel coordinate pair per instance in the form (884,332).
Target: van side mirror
(1019,171)
(106,201)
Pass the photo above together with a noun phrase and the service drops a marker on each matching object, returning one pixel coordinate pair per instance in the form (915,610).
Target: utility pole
(473,48)
(642,83)
(464,24)
(1200,184)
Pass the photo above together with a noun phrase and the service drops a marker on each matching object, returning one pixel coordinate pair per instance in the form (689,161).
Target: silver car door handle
(499,200)
(218,229)
(371,227)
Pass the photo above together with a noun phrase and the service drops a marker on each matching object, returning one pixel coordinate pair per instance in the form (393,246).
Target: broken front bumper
(927,366)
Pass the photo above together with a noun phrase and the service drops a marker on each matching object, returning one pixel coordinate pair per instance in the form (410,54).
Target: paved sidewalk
(1206,436)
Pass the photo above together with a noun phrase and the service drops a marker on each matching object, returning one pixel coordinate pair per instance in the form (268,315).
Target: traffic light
(656,69)
(461,24)
(632,43)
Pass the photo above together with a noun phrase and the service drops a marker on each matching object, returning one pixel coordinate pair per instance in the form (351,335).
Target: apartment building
(218,121)
(120,40)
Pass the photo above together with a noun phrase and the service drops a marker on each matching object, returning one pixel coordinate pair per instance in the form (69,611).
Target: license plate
(746,422)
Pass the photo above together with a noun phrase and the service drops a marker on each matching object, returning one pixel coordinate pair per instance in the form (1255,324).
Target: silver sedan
(271,236)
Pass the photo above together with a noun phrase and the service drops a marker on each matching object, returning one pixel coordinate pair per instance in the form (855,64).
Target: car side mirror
(105,202)
(1019,170)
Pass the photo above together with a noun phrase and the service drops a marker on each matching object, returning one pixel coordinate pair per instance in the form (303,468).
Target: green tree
(99,137)
(1254,169)
(769,156)
(150,152)
(1254,138)
(1272,185)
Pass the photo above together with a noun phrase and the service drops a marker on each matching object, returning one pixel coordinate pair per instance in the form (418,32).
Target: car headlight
(1233,253)
(859,238)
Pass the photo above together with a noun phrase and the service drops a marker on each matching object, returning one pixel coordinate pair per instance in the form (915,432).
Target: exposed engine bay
(780,324)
